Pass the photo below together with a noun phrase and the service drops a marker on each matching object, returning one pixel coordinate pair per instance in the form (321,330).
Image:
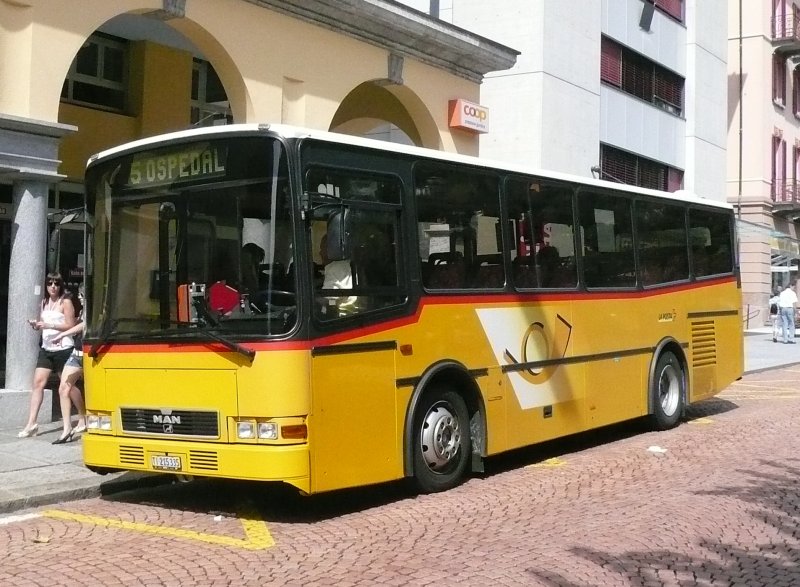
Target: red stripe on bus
(425,300)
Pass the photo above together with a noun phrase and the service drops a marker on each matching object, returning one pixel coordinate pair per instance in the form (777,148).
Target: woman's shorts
(74,361)
(53,360)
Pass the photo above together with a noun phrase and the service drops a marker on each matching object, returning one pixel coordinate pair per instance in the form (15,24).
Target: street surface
(715,501)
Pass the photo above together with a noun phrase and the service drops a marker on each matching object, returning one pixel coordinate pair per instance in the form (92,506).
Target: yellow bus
(278,304)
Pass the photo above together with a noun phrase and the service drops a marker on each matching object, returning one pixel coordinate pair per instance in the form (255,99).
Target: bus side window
(710,234)
(362,260)
(458,220)
(661,242)
(606,224)
(543,230)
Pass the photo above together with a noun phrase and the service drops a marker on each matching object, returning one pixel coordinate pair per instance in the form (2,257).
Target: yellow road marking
(701,421)
(550,463)
(256,532)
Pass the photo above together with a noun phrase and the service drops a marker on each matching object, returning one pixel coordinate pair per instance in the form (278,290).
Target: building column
(29,158)
(25,278)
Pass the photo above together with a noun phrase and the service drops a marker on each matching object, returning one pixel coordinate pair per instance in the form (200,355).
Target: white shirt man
(336,275)
(787,301)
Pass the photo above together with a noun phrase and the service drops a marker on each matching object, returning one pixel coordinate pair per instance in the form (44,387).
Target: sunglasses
(53,282)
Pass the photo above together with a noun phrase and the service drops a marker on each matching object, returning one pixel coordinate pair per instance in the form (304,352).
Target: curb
(772,368)
(126,482)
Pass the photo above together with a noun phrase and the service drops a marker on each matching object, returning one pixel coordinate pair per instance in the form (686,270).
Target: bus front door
(354,431)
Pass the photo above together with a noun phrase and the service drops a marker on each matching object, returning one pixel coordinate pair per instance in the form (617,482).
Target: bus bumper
(260,462)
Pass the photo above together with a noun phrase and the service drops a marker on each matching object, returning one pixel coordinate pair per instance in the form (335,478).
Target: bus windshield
(198,239)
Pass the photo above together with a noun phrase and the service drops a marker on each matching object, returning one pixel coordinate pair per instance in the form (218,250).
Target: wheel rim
(440,438)
(669,389)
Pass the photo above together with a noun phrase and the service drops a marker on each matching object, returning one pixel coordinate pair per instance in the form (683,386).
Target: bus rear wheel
(441,441)
(668,392)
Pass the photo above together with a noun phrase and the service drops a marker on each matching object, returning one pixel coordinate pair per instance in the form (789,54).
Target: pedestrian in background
(775,315)
(56,314)
(68,391)
(787,304)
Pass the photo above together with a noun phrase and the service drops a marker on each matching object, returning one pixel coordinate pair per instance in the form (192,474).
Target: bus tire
(668,392)
(441,438)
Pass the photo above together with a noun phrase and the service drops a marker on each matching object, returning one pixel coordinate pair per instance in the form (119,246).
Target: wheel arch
(673,346)
(456,375)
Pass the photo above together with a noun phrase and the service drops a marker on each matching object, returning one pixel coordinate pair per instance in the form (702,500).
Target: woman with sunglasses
(57,315)
(72,371)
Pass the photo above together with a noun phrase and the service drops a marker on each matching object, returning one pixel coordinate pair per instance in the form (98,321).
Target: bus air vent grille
(704,343)
(131,455)
(170,422)
(205,460)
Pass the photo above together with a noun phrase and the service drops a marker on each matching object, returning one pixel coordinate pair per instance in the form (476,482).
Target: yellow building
(79,77)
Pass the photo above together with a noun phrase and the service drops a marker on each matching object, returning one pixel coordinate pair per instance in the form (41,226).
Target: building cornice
(404,31)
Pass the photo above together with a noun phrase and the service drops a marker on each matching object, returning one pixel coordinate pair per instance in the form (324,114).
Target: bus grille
(205,460)
(132,456)
(178,423)
(704,343)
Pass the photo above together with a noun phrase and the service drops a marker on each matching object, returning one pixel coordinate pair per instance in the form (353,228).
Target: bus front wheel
(441,441)
(667,392)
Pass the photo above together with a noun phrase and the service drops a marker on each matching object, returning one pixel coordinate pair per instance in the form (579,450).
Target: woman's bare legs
(77,399)
(67,394)
(37,395)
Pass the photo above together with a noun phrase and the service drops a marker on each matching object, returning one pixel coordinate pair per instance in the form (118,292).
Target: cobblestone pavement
(712,502)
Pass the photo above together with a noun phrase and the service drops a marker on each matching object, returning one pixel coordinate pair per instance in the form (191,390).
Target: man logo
(168,429)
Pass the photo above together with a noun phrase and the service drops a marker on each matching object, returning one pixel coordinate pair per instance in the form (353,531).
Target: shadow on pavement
(770,495)
(277,502)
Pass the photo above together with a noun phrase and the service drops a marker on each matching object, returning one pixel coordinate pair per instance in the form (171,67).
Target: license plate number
(166,463)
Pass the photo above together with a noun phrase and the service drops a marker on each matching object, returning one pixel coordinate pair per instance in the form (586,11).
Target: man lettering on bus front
(787,304)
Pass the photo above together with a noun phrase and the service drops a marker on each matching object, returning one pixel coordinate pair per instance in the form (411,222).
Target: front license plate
(166,463)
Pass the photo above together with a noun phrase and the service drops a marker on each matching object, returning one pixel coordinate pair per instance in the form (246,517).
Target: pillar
(29,158)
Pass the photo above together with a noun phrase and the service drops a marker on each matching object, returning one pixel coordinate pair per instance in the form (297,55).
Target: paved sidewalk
(33,472)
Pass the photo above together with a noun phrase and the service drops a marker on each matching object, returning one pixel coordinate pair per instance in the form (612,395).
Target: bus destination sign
(189,164)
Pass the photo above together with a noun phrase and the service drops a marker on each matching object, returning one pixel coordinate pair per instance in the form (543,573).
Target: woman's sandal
(64,438)
(28,432)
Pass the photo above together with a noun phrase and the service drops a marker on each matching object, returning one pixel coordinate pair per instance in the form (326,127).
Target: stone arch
(229,74)
(97,131)
(373,103)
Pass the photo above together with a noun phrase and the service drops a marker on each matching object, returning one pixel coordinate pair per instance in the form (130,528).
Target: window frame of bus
(518,238)
(730,231)
(461,270)
(584,239)
(354,208)
(668,262)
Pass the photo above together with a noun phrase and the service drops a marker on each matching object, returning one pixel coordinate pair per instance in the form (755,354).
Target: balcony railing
(786,194)
(786,30)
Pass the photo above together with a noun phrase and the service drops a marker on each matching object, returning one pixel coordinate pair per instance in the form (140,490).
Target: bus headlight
(98,421)
(267,430)
(245,430)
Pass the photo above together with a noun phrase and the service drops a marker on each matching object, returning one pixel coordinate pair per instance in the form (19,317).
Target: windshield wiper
(249,354)
(108,329)
(201,327)
(112,325)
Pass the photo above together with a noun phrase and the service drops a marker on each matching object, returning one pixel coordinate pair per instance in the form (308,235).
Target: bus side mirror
(339,235)
(52,250)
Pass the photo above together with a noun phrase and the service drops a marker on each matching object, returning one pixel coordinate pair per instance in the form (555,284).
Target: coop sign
(171,167)
(468,116)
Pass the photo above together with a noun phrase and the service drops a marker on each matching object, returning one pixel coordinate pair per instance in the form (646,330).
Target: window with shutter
(778,168)
(610,62)
(779,79)
(623,167)
(672,7)
(640,77)
(796,92)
